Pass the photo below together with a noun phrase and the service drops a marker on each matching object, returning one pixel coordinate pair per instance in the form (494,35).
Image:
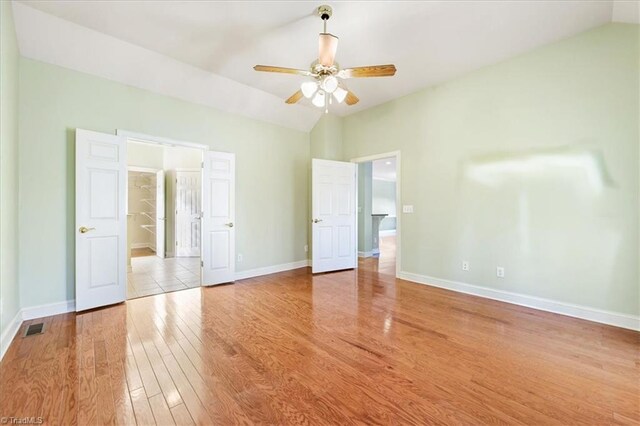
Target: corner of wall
(10,319)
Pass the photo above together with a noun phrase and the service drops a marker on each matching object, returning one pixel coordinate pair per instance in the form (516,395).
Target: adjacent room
(163,218)
(377,214)
(288,212)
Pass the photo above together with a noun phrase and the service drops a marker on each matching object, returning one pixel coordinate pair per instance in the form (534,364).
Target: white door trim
(391,154)
(141,137)
(136,137)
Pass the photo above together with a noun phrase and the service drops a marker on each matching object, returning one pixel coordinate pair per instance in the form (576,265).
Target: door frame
(396,155)
(157,140)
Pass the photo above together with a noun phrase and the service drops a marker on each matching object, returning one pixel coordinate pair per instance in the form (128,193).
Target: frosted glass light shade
(340,94)
(319,99)
(308,88)
(330,84)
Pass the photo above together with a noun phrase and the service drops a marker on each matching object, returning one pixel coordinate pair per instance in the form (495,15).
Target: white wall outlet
(465,265)
(239,258)
(306,248)
(407,208)
(500,272)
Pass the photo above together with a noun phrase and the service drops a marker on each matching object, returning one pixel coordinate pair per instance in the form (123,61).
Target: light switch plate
(407,208)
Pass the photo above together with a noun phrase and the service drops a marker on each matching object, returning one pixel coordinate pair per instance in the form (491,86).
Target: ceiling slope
(47,38)
(207,49)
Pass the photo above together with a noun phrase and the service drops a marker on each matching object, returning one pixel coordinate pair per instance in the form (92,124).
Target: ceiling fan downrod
(324,12)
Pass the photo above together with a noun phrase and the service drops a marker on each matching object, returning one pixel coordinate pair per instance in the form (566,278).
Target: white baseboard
(271,269)
(365,253)
(9,333)
(30,313)
(141,245)
(584,312)
(387,232)
(48,310)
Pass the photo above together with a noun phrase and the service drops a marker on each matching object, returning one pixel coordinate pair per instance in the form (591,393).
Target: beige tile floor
(152,275)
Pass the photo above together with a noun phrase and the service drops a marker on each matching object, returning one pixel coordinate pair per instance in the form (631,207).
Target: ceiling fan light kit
(327,84)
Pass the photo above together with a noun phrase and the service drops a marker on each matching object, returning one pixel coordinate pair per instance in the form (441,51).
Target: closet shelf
(150,228)
(149,215)
(149,201)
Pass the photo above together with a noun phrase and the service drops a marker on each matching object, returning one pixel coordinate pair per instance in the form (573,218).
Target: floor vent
(34,329)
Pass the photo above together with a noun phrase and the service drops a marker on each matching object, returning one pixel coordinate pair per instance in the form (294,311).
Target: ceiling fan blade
(295,97)
(268,68)
(351,99)
(370,71)
(327,47)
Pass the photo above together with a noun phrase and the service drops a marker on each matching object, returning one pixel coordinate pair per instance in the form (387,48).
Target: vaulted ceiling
(211,47)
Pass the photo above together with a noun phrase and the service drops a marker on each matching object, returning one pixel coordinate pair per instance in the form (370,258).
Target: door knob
(84,229)
(317,220)
(230,224)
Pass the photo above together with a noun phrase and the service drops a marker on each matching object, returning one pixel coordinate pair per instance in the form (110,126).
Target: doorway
(378,213)
(164,205)
(103,263)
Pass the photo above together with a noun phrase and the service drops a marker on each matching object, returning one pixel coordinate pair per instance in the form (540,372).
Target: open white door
(218,217)
(188,212)
(333,208)
(101,219)
(160,215)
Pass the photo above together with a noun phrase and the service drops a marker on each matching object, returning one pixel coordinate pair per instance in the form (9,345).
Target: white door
(160,215)
(333,208)
(101,219)
(218,230)
(188,211)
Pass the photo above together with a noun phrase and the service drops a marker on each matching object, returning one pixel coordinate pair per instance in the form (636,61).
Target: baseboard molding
(30,313)
(140,245)
(243,275)
(48,310)
(617,319)
(387,232)
(365,254)
(10,333)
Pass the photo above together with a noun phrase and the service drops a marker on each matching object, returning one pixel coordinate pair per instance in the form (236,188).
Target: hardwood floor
(342,348)
(385,263)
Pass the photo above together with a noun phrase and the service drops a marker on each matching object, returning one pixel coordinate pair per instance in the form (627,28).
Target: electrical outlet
(239,258)
(407,208)
(306,248)
(500,272)
(465,265)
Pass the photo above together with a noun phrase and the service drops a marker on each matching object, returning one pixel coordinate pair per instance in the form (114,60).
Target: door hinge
(202,164)
(202,264)
(176,244)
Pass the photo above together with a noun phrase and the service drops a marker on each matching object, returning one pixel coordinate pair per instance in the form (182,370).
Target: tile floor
(152,275)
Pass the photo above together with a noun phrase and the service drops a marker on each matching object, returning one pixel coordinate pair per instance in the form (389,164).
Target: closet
(146,211)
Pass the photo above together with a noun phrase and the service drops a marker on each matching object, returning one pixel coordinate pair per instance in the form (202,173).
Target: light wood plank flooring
(343,348)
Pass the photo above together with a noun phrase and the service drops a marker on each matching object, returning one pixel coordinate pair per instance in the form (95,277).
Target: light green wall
(530,164)
(365,237)
(9,59)
(383,200)
(326,138)
(271,166)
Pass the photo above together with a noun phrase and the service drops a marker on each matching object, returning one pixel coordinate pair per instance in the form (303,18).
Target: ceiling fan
(327,75)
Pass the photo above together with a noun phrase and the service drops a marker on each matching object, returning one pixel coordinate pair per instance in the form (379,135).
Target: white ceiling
(384,169)
(429,42)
